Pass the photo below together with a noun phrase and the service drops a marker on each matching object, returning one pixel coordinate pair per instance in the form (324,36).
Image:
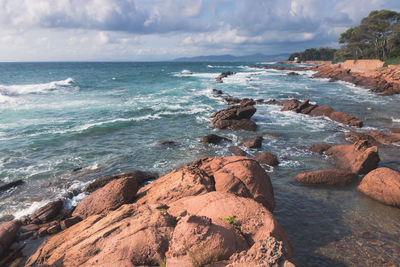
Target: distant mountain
(231,58)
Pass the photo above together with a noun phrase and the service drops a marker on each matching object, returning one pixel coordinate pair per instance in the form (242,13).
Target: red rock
(213,139)
(254,221)
(290,105)
(386,138)
(187,181)
(327,177)
(140,176)
(322,111)
(320,148)
(241,176)
(69,222)
(355,137)
(267,158)
(235,117)
(213,241)
(235,125)
(254,142)
(109,197)
(237,151)
(8,233)
(345,119)
(42,232)
(53,229)
(47,212)
(383,185)
(129,236)
(29,227)
(358,158)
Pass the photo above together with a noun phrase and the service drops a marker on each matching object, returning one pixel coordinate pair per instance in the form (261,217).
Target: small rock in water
(254,142)
(11,184)
(213,139)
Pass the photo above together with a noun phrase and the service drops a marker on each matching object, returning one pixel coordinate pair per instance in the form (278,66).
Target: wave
(395,119)
(38,88)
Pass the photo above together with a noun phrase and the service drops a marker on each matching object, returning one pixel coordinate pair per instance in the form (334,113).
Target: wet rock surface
(235,117)
(267,158)
(383,185)
(327,177)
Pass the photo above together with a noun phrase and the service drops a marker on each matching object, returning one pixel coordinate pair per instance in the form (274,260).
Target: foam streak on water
(62,125)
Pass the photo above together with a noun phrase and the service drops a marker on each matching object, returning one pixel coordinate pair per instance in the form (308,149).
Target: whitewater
(62,125)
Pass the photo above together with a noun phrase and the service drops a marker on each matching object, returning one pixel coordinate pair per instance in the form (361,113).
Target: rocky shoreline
(382,80)
(213,211)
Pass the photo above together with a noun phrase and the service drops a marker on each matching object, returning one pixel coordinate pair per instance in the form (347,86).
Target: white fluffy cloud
(154,29)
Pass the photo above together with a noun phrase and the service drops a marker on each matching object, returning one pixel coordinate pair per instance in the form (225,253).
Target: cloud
(144,29)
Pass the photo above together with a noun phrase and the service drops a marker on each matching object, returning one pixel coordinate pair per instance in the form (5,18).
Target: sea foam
(38,88)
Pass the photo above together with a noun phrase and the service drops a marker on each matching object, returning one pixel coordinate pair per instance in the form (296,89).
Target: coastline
(244,111)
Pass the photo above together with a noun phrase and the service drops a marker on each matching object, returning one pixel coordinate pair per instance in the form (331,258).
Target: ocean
(62,125)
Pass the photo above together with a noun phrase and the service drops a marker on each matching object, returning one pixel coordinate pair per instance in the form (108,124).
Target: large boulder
(386,137)
(231,212)
(187,181)
(8,233)
(109,197)
(140,176)
(327,177)
(46,213)
(241,176)
(358,158)
(253,142)
(382,184)
(235,117)
(129,236)
(267,158)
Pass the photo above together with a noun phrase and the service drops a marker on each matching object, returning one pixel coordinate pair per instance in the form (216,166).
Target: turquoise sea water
(108,118)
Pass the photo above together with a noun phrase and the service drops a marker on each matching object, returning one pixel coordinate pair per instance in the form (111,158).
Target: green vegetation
(323,53)
(232,220)
(377,37)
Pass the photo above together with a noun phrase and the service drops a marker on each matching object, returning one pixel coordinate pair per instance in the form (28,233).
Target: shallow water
(110,117)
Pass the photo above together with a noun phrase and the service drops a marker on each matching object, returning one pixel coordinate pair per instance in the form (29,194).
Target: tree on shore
(323,53)
(377,36)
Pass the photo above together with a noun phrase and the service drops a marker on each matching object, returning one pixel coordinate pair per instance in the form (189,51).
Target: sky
(141,30)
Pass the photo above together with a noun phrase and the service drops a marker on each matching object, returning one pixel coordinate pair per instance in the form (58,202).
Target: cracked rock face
(201,214)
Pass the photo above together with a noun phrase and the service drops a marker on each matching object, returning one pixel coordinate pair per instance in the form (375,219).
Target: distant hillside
(231,58)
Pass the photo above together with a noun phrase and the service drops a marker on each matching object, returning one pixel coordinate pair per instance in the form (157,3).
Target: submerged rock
(223,75)
(6,186)
(327,177)
(383,185)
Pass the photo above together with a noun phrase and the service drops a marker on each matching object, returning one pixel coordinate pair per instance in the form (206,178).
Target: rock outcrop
(8,233)
(319,148)
(386,137)
(383,185)
(314,110)
(237,151)
(253,142)
(235,117)
(213,139)
(327,177)
(214,211)
(358,158)
(46,213)
(223,75)
(140,176)
(109,197)
(267,158)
